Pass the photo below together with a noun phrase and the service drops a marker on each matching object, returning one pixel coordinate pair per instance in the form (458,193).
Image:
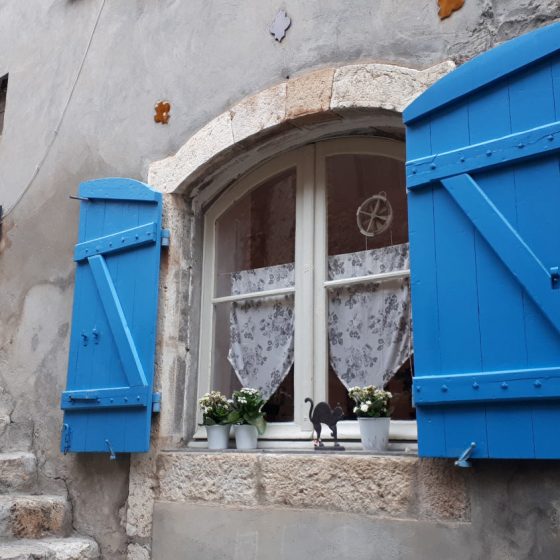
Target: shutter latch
(112,455)
(463,460)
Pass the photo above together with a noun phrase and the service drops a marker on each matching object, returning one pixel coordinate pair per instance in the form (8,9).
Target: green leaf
(260,423)
(233,417)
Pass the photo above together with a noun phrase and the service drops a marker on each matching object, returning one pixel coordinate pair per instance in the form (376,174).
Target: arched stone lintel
(316,97)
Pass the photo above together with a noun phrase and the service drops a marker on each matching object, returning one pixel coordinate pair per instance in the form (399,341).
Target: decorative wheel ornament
(374,215)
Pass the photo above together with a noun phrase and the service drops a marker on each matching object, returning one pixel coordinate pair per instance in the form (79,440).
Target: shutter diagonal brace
(123,337)
(512,250)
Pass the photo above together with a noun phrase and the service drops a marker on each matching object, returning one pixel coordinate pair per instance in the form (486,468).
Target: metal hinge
(165,235)
(156,402)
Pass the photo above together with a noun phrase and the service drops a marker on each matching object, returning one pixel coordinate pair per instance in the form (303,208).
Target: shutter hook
(65,438)
(112,455)
(463,460)
(555,278)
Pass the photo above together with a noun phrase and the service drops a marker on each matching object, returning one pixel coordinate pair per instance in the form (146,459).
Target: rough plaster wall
(202,56)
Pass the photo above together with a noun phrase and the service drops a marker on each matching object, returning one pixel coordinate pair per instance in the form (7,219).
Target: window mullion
(320,342)
(303,318)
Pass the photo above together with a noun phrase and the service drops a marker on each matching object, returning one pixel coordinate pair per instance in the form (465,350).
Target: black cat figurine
(323,414)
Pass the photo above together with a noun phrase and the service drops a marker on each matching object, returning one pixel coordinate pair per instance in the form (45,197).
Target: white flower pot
(218,436)
(374,433)
(246,436)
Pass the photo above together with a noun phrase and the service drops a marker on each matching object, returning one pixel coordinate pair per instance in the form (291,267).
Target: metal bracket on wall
(156,402)
(280,25)
(447,7)
(165,237)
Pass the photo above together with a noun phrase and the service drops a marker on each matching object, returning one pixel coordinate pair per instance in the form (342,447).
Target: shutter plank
(423,260)
(500,297)
(118,323)
(454,240)
(459,332)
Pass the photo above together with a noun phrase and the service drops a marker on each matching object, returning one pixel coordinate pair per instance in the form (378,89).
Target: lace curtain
(262,330)
(368,324)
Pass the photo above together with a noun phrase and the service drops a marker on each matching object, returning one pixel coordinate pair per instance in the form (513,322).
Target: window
(299,299)
(3,95)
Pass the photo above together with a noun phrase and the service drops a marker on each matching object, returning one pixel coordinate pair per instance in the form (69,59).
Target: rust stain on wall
(447,7)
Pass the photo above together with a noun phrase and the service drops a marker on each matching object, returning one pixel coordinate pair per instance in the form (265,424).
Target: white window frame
(310,345)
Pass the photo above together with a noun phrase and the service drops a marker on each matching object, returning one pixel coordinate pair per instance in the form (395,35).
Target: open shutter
(108,400)
(483,179)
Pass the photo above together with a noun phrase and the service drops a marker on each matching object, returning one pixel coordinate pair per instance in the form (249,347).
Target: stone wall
(284,505)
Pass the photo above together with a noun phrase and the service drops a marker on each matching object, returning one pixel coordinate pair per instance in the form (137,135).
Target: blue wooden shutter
(483,180)
(108,400)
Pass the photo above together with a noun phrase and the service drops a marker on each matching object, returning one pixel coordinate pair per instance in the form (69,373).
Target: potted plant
(372,409)
(247,417)
(216,410)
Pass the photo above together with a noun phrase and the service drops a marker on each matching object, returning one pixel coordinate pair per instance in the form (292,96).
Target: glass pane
(225,379)
(400,385)
(369,329)
(253,347)
(255,239)
(374,187)
(254,337)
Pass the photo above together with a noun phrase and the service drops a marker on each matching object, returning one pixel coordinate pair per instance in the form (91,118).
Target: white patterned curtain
(369,324)
(262,330)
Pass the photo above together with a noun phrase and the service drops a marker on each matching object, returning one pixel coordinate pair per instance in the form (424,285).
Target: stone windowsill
(392,484)
(399,450)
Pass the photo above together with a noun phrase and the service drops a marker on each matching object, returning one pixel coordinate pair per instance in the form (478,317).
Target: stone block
(33,517)
(74,548)
(381,86)
(16,436)
(379,485)
(137,552)
(141,495)
(442,490)
(259,112)
(18,471)
(309,94)
(209,141)
(227,478)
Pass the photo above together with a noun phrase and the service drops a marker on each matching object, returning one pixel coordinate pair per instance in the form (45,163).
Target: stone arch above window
(361,99)
(318,100)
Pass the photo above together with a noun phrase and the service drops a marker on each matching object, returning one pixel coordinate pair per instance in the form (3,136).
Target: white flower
(364,407)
